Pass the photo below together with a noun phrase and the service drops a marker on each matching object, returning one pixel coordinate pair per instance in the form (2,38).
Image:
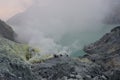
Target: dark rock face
(108,46)
(106,52)
(115,29)
(6,31)
(65,68)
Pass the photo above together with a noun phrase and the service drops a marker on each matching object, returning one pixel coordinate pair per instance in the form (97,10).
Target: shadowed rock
(6,31)
(116,28)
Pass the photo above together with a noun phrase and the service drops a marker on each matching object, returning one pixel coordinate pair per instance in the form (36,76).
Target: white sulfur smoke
(48,23)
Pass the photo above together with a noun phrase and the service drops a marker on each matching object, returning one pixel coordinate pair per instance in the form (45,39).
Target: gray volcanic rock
(6,31)
(108,46)
(106,52)
(65,68)
(12,65)
(13,68)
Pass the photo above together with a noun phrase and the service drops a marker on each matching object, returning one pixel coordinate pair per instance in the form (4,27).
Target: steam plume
(56,26)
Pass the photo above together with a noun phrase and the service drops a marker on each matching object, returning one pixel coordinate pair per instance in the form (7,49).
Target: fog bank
(60,26)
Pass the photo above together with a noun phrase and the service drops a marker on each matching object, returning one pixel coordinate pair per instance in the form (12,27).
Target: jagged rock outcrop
(106,52)
(6,31)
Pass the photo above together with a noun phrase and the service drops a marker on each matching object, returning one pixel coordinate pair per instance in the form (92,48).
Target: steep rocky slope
(13,64)
(108,47)
(6,31)
(106,52)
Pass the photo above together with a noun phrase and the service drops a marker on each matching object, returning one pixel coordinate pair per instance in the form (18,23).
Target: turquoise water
(84,38)
(78,53)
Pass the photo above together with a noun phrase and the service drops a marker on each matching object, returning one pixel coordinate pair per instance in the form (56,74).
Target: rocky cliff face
(105,48)
(6,31)
(106,52)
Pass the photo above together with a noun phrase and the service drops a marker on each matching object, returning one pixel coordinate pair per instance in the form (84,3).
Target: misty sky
(9,8)
(46,23)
